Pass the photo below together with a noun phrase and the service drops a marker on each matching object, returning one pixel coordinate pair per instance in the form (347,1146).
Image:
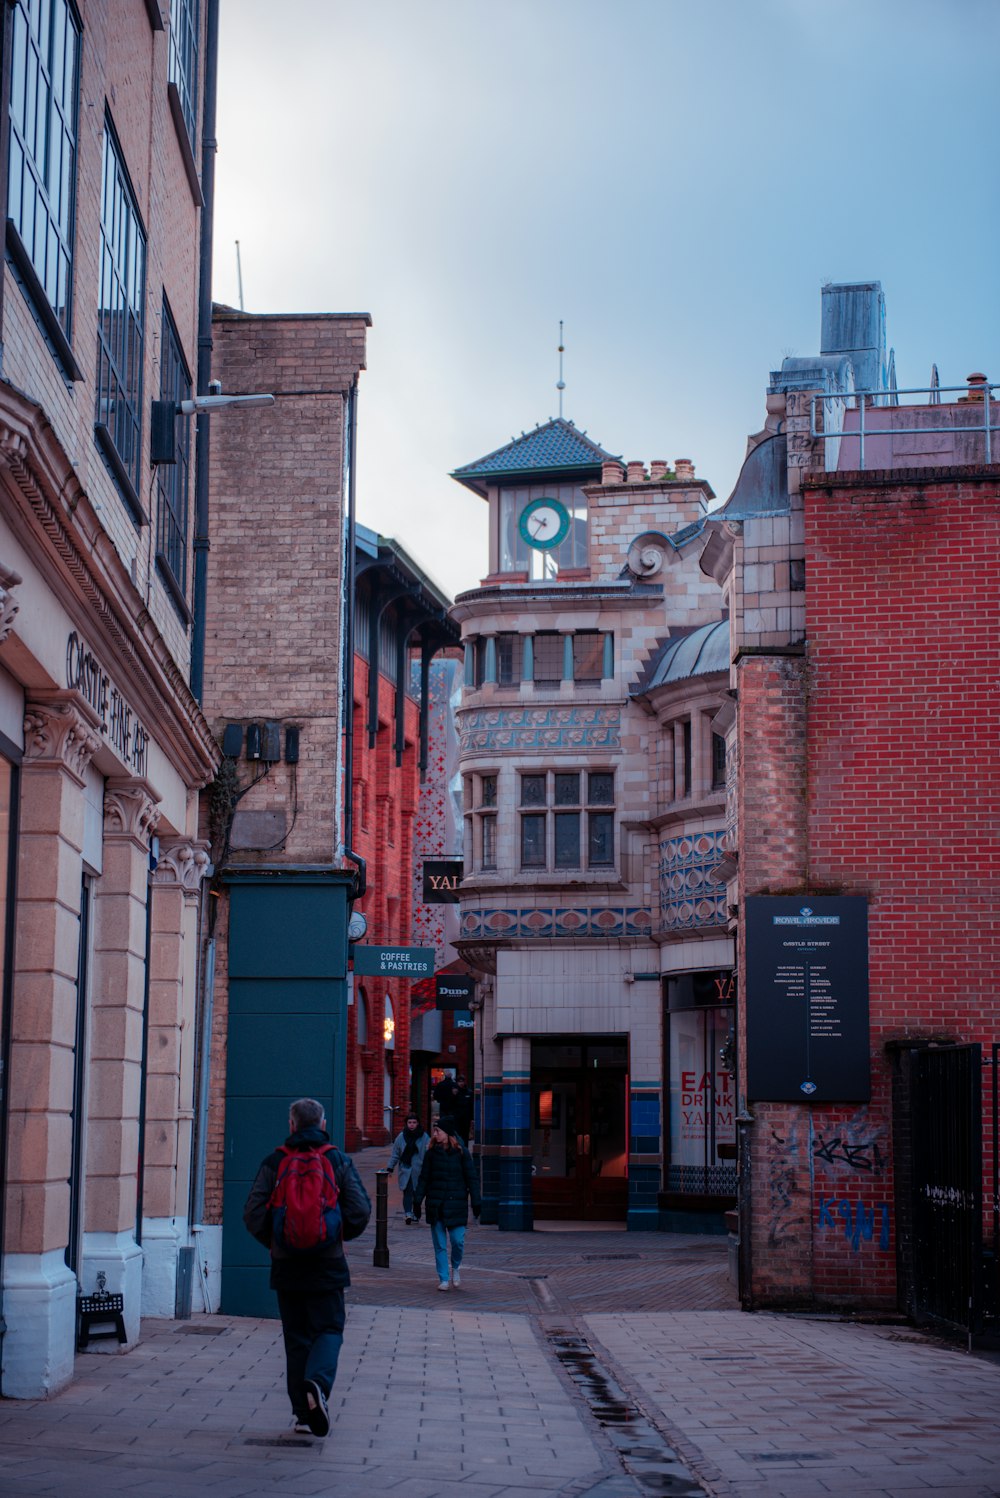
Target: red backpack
(304,1210)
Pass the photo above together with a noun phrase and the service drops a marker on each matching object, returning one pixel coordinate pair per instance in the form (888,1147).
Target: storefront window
(702,1155)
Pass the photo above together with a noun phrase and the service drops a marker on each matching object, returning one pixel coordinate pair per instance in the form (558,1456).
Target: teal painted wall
(287,1038)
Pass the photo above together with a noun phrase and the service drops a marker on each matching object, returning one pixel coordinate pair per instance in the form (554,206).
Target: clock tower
(534,486)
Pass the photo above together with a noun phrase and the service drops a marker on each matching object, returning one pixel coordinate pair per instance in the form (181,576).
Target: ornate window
(481,802)
(567,820)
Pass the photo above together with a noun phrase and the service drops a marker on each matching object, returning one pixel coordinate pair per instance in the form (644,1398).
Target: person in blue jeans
(408,1152)
(309,1283)
(448,1184)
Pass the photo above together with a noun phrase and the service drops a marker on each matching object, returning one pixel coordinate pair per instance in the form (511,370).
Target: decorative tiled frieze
(556,921)
(688,895)
(503,730)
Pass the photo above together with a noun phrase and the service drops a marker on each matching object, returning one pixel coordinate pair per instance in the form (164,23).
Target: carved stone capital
(131,809)
(8,607)
(183,864)
(61,730)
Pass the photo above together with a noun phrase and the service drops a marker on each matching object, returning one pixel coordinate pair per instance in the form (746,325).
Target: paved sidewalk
(593,1363)
(801,1407)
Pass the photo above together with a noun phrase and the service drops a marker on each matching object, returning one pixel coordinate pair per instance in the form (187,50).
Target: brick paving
(464,1394)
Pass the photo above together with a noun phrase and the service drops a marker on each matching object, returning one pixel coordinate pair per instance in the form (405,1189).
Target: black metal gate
(947,1183)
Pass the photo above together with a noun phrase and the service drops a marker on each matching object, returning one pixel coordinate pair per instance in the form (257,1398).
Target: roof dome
(699,653)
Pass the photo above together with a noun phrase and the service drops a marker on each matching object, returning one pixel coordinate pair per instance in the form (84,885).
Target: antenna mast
(239,275)
(561,383)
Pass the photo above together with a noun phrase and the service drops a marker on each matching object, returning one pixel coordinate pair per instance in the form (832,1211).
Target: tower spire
(561,383)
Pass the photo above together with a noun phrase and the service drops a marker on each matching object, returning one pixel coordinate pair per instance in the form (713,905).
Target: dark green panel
(284,995)
(245,1292)
(277,1055)
(292,930)
(287,1038)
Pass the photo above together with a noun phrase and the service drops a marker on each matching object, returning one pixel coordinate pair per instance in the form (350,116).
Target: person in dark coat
(461,1108)
(310,1284)
(444,1095)
(408,1152)
(448,1184)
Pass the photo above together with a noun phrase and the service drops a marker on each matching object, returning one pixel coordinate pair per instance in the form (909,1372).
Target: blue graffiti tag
(858,1220)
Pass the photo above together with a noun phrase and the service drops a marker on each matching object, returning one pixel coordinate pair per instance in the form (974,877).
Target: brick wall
(866,766)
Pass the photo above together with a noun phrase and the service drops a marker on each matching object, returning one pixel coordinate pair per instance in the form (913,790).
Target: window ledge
(40,305)
(184,141)
(119,472)
(174,588)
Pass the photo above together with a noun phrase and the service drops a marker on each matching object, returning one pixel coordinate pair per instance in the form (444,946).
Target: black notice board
(807,999)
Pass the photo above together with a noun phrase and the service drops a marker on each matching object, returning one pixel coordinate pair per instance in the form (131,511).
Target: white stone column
(39,1290)
(177,881)
(118,989)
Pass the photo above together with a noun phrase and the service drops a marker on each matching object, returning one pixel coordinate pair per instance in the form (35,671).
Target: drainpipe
(350,569)
(209,146)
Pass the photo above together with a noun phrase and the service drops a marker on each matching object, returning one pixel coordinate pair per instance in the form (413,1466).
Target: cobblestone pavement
(557,1369)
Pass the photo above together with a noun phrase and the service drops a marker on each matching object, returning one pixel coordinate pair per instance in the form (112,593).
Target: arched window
(362,1005)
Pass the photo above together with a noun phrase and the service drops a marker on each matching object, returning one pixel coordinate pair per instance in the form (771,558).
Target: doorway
(579,1130)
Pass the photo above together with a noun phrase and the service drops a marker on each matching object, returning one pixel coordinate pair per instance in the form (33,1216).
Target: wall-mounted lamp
(162,443)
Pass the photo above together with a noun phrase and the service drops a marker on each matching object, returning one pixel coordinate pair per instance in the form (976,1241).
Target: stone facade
(587,858)
(103,749)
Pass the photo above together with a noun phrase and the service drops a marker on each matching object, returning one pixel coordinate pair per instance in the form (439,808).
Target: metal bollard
(380,1258)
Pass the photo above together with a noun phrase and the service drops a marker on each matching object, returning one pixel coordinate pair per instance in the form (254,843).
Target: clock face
(544,523)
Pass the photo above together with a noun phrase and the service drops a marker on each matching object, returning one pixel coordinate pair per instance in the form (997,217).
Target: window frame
(183,61)
(172,486)
(115,364)
(553,812)
(26,163)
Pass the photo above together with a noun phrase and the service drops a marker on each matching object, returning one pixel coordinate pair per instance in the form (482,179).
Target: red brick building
(864,604)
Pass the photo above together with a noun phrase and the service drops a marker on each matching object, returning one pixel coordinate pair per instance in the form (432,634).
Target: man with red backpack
(306,1200)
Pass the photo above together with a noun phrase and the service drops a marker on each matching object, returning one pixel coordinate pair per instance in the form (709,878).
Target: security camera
(215,387)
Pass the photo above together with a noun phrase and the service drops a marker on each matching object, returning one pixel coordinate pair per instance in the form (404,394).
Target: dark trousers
(313,1327)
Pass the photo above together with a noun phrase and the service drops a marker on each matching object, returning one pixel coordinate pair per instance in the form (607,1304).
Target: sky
(675,180)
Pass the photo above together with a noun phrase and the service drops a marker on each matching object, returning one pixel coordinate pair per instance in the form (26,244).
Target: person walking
(408,1151)
(461,1108)
(444,1095)
(448,1184)
(306,1199)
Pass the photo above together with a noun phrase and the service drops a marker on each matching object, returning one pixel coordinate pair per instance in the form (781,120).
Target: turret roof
(556,447)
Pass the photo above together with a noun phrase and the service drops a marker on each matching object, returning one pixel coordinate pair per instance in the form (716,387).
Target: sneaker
(456,1278)
(318,1414)
(444,1285)
(302,1428)
(409,1219)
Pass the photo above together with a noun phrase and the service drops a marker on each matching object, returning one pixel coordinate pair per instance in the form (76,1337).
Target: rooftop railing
(832,417)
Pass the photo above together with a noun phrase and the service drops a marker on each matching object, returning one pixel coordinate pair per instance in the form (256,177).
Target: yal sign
(393,962)
(442,879)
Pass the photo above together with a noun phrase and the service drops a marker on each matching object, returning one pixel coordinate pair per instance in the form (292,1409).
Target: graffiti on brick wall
(855,1220)
(784,1217)
(837,1148)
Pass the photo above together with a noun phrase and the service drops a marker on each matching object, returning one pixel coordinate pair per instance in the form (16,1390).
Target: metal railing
(871,403)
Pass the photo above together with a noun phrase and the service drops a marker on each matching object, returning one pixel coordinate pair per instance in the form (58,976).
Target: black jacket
(448,1182)
(326,1267)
